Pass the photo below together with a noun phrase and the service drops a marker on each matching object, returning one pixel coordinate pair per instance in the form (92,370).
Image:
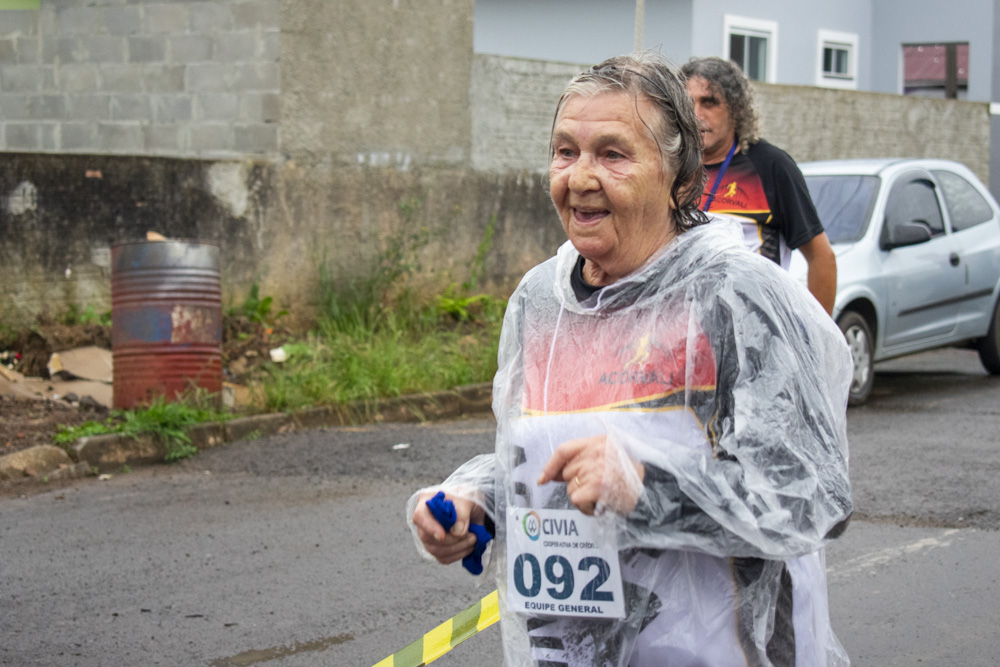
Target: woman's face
(607,183)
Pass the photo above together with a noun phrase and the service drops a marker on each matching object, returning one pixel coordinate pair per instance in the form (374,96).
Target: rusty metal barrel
(166,320)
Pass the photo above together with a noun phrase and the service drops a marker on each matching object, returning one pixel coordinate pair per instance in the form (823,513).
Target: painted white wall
(587,31)
(579,31)
(799,25)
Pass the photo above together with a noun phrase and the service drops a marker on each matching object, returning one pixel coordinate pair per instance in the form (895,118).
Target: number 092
(559,574)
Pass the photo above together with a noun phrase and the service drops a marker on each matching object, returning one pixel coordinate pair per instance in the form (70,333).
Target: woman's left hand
(595,472)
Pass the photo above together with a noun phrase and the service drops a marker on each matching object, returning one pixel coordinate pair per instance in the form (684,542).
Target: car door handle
(954,259)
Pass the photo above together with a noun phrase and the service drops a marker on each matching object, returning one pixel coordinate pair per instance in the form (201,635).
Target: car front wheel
(989,346)
(859,340)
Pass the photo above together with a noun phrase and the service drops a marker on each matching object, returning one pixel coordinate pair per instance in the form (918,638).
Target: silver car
(918,259)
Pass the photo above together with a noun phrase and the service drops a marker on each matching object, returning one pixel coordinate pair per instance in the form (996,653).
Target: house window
(752,44)
(936,70)
(837,59)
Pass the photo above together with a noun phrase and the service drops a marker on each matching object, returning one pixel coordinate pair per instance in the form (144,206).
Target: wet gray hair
(725,78)
(674,129)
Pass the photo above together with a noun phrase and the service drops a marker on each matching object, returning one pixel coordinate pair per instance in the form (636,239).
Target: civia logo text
(534,526)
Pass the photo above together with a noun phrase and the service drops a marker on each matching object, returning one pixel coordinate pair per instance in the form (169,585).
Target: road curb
(111,452)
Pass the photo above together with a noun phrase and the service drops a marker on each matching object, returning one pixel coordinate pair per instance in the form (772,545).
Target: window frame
(961,90)
(904,182)
(840,40)
(962,213)
(743,25)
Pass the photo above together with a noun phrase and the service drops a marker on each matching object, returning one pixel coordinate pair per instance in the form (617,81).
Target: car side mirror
(906,234)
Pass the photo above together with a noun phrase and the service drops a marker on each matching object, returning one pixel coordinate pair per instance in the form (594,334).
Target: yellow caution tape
(448,635)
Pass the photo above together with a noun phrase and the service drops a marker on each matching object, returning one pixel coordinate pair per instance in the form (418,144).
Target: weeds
(89,315)
(365,303)
(479,263)
(463,306)
(335,366)
(256,309)
(371,340)
(166,420)
(70,434)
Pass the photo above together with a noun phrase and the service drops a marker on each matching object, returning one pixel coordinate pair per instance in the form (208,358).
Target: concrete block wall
(513,100)
(379,83)
(819,124)
(279,224)
(140,77)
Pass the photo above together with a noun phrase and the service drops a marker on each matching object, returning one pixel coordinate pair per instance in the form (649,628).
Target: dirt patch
(26,422)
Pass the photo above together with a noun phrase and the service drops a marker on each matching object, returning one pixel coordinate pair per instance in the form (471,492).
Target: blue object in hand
(444,511)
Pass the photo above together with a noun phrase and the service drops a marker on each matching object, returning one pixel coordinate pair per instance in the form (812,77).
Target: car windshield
(844,204)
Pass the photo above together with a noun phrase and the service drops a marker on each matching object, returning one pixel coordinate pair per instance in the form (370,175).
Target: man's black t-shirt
(765,190)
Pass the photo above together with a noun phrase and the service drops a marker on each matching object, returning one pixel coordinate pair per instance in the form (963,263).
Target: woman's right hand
(458,542)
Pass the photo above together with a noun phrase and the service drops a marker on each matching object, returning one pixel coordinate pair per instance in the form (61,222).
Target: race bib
(556,566)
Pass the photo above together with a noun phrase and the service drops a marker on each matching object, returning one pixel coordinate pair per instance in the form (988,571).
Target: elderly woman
(671,451)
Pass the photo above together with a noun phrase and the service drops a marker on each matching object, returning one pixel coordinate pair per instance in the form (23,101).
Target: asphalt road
(292,550)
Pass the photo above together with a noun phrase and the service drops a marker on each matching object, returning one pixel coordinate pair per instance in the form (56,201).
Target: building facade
(913,47)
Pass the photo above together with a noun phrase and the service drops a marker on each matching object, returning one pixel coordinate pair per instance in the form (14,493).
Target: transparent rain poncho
(724,378)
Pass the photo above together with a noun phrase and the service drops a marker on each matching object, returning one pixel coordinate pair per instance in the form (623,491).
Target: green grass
(88,315)
(257,309)
(371,340)
(362,351)
(166,420)
(346,360)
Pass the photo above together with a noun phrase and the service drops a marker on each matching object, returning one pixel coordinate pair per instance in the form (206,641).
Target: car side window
(913,200)
(966,206)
